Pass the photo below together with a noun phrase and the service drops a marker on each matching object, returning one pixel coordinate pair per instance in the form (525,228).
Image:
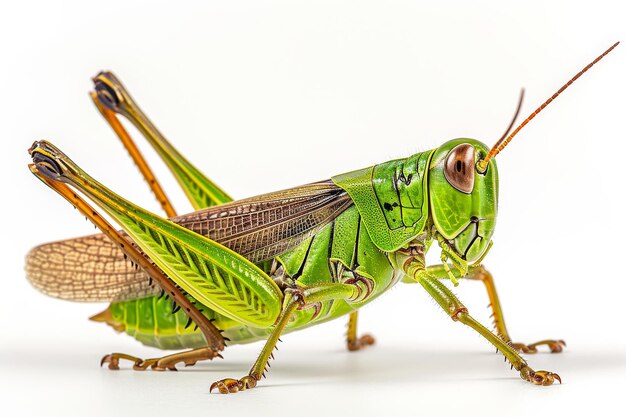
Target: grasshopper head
(463,199)
(463,184)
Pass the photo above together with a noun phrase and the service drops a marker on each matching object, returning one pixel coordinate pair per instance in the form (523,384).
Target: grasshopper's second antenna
(519,107)
(501,144)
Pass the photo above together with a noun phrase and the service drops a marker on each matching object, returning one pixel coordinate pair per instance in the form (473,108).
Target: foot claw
(112,360)
(360,343)
(542,378)
(555,346)
(230,385)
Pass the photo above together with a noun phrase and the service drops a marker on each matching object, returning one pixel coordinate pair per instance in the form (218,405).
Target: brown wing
(88,268)
(262,227)
(91,268)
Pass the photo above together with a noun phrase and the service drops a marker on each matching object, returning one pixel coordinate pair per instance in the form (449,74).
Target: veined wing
(262,227)
(87,268)
(92,268)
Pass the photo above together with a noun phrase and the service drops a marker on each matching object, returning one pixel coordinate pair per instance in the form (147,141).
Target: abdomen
(344,241)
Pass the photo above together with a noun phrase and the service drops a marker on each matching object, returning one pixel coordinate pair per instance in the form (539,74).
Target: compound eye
(459,167)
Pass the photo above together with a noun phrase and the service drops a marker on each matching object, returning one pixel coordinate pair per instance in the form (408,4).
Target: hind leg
(212,335)
(187,357)
(112,98)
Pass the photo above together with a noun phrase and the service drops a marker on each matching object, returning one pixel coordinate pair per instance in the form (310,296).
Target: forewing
(92,268)
(262,227)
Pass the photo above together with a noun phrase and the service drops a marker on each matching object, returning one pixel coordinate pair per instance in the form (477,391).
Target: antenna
(501,144)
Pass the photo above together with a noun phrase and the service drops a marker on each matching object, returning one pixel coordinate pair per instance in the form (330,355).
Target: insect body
(252,269)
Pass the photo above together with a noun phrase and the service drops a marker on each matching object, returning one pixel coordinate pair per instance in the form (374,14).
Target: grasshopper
(241,271)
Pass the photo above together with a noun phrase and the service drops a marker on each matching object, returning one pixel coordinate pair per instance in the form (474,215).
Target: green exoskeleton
(240,271)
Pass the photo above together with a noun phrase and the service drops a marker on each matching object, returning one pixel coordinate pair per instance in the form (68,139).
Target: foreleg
(458,312)
(479,273)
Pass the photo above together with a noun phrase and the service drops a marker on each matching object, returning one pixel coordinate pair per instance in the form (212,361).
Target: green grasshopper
(248,270)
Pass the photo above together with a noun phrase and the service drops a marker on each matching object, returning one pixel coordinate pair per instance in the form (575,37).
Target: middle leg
(353,341)
(295,299)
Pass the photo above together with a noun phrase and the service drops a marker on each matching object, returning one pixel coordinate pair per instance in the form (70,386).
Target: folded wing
(91,268)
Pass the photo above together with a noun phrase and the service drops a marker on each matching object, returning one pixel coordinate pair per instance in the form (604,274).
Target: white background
(273,94)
